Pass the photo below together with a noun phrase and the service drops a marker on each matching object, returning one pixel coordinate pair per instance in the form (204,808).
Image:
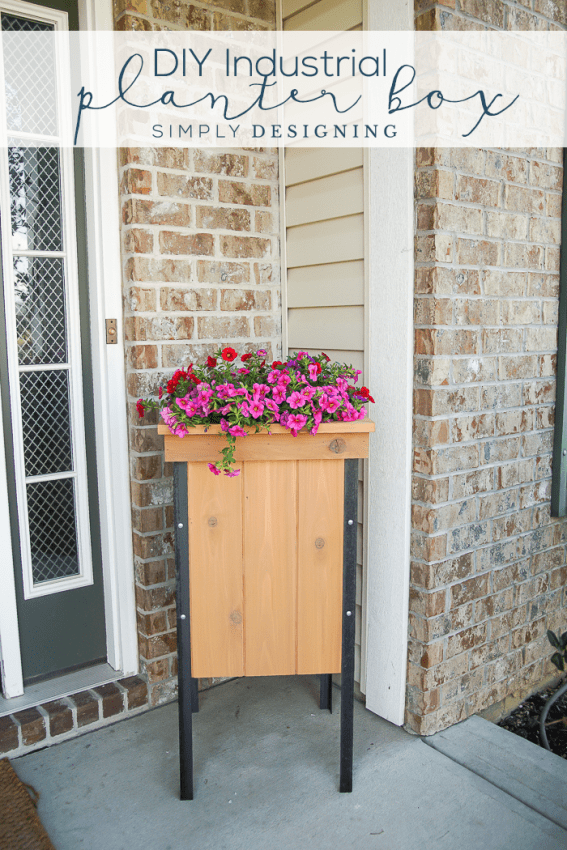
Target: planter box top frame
(333,441)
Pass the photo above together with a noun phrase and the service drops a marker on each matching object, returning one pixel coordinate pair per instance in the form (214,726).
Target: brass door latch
(111,332)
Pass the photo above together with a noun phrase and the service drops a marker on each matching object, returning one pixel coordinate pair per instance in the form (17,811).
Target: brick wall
(200,237)
(488,562)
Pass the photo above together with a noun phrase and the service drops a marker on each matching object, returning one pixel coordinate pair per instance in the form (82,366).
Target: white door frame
(111,428)
(389,272)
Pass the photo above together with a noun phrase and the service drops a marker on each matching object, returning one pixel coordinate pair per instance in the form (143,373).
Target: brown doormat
(20,827)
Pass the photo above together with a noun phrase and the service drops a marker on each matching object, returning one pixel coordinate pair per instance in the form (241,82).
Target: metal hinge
(111,332)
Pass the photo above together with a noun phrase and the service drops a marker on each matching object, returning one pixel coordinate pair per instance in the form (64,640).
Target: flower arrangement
(299,394)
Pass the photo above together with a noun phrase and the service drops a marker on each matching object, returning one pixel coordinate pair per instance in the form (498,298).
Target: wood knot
(319,543)
(338,446)
(212,521)
(236,617)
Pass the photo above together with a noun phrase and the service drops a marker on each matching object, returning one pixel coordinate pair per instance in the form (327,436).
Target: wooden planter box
(262,558)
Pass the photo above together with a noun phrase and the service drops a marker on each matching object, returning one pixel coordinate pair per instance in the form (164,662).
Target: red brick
(136,181)
(60,717)
(8,734)
(32,723)
(112,699)
(171,242)
(137,691)
(87,708)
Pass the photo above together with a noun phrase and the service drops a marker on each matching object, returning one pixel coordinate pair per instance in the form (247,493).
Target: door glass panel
(46,422)
(29,78)
(53,531)
(40,310)
(35,198)
(44,350)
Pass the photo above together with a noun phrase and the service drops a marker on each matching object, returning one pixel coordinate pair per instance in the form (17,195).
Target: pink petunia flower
(232,473)
(237,431)
(256,408)
(313,371)
(260,391)
(295,400)
(213,468)
(295,422)
(278,394)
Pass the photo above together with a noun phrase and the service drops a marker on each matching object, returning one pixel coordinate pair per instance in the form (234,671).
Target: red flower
(211,362)
(181,374)
(229,354)
(276,363)
(140,407)
(160,392)
(365,393)
(246,357)
(326,356)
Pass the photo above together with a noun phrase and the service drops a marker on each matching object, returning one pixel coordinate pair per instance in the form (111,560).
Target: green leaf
(557,659)
(564,640)
(553,639)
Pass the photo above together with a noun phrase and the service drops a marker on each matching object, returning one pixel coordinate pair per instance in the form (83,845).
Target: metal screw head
(349,613)
(350,522)
(179,525)
(182,616)
(564,452)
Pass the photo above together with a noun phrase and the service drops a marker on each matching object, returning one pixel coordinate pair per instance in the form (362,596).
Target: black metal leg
(349,600)
(194,695)
(326,691)
(185,682)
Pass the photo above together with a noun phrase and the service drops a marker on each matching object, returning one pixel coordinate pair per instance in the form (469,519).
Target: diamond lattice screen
(53,531)
(40,310)
(35,198)
(46,422)
(29,77)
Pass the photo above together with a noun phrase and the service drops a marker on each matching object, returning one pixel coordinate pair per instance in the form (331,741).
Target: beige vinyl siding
(324,221)
(323,15)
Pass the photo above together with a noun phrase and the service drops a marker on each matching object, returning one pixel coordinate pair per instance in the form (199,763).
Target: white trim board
(389,260)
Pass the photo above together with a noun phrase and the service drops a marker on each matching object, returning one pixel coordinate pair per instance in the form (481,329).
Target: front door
(45,360)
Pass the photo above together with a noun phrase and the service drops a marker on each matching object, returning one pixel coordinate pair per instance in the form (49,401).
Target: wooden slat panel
(340,327)
(330,197)
(326,242)
(215,571)
(327,15)
(263,447)
(270,571)
(332,285)
(302,164)
(320,570)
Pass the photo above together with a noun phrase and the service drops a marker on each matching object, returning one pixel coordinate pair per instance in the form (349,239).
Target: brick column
(488,562)
(200,237)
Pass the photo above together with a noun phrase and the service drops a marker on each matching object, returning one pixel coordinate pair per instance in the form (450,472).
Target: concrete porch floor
(266,776)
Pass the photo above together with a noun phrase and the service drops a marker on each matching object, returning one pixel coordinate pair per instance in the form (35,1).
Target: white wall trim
(111,426)
(389,262)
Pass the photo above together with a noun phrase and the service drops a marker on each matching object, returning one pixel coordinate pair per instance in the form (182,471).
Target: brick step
(57,720)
